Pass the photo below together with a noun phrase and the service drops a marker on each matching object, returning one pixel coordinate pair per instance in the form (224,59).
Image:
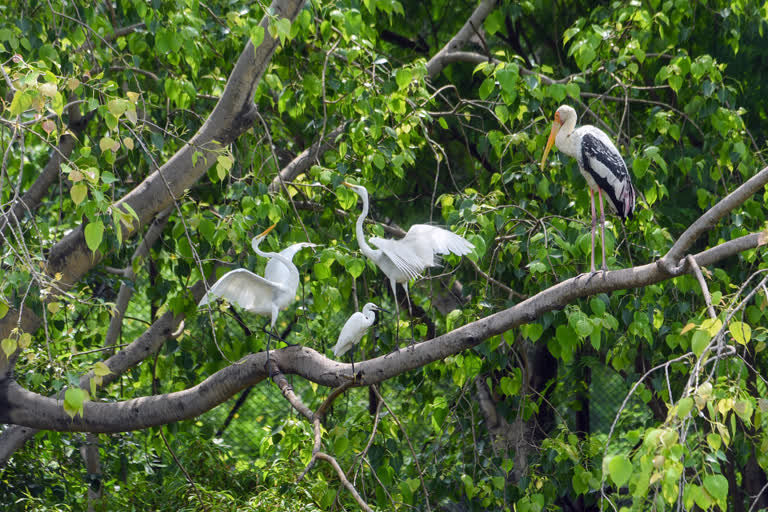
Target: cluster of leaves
(460,149)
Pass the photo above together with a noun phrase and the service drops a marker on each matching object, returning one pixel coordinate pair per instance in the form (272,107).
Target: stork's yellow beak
(266,231)
(552,134)
(347,184)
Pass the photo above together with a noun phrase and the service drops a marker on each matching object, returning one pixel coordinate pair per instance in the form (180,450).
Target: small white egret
(354,329)
(601,165)
(262,295)
(406,259)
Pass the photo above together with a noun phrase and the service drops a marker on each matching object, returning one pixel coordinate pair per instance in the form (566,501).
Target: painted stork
(601,165)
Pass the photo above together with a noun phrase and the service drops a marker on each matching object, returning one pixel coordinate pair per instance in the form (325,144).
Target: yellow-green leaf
(94,232)
(101,369)
(620,469)
(73,401)
(741,332)
(78,192)
(684,406)
(712,325)
(9,346)
(714,441)
(25,340)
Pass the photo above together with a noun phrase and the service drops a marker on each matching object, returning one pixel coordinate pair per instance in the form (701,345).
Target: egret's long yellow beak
(266,231)
(551,140)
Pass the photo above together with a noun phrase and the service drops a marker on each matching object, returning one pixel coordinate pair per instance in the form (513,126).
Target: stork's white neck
(566,140)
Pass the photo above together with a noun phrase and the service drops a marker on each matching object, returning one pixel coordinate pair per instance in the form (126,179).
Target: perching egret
(406,259)
(354,329)
(601,165)
(262,295)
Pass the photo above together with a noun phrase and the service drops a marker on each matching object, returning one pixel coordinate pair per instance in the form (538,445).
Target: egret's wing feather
(439,240)
(246,289)
(402,256)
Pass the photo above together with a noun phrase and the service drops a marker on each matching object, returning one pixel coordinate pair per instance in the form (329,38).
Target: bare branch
(671,261)
(703,284)
(343,478)
(437,63)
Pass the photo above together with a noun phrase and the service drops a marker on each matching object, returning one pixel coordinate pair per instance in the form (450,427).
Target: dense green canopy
(145,143)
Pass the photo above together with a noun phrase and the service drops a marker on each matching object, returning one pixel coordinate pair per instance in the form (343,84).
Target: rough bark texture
(22,407)
(234,113)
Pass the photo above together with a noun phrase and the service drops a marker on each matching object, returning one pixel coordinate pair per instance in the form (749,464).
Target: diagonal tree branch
(670,263)
(22,407)
(234,113)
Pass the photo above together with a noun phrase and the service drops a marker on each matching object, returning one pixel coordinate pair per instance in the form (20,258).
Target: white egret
(406,259)
(354,329)
(262,295)
(601,165)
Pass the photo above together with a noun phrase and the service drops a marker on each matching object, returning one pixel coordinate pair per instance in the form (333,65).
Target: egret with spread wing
(407,258)
(354,329)
(601,165)
(262,295)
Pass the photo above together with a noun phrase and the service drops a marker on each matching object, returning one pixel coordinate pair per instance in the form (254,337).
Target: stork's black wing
(604,163)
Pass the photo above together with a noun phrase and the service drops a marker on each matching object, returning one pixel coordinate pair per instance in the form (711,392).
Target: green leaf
(573,90)
(94,233)
(3,309)
(257,35)
(403,78)
(486,88)
(620,469)
(714,441)
(508,78)
(741,332)
(100,369)
(684,406)
(557,91)
(9,347)
(340,445)
(74,398)
(533,331)
(78,192)
(347,198)
(283,28)
(597,306)
(716,486)
(355,267)
(700,341)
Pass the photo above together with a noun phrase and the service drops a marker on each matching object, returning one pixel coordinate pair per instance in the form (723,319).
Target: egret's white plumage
(407,258)
(355,328)
(600,163)
(262,295)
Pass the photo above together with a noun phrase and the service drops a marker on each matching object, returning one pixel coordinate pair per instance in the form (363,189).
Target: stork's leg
(602,228)
(594,225)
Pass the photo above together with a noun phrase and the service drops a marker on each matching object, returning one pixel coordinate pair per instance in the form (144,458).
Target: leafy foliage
(628,398)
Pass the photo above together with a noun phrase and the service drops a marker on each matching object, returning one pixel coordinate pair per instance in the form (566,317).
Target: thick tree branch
(437,63)
(23,407)
(670,263)
(234,113)
(305,159)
